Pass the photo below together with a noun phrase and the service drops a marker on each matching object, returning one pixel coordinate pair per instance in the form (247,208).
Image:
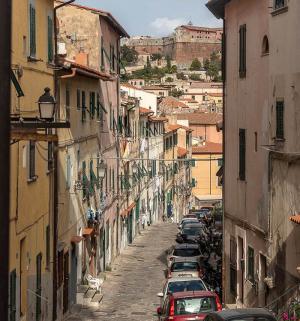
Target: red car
(189,306)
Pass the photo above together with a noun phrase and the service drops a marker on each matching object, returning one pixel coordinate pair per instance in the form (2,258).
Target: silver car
(185,267)
(182,284)
(184,251)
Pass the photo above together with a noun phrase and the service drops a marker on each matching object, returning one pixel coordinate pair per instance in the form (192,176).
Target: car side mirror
(160,294)
(159,311)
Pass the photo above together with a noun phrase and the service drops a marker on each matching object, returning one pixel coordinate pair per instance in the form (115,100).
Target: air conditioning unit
(270,282)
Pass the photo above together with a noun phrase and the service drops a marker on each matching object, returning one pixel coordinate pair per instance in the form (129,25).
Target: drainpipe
(55,171)
(5,62)
(224,150)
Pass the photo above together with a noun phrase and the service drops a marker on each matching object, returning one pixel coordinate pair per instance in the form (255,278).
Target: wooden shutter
(250,264)
(38,286)
(78,98)
(50,39)
(31,159)
(280,119)
(83,106)
(242,51)
(12,295)
(242,154)
(32,28)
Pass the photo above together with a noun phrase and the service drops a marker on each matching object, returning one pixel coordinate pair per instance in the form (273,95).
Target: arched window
(265,46)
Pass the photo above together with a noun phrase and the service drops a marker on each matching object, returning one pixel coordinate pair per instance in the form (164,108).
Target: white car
(184,251)
(182,284)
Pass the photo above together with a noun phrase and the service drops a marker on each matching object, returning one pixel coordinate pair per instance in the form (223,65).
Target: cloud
(165,26)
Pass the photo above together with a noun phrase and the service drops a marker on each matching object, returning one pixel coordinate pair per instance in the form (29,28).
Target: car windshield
(191,231)
(189,221)
(183,286)
(186,252)
(195,305)
(184,266)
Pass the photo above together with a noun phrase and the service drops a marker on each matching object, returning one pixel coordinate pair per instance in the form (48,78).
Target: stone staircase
(88,297)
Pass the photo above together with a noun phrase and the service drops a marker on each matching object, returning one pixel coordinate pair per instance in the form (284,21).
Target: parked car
(185,267)
(182,284)
(184,250)
(190,215)
(254,314)
(189,220)
(184,306)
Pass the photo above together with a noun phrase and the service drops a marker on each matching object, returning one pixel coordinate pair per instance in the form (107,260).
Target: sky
(155,17)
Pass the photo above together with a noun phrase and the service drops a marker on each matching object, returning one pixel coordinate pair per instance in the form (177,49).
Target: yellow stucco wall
(31,206)
(204,172)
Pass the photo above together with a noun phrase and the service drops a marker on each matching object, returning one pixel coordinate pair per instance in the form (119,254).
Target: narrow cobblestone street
(137,276)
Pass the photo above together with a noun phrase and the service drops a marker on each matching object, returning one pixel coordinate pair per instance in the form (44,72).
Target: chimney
(82,58)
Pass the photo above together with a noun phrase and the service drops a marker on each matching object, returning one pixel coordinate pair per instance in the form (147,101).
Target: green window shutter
(32,27)
(193,182)
(193,162)
(50,39)
(242,154)
(83,106)
(280,119)
(16,84)
(92,104)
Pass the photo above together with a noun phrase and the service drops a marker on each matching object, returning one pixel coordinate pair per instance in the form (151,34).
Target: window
(242,53)
(32,31)
(12,295)
(193,162)
(280,120)
(32,160)
(250,264)
(78,97)
(279,4)
(67,103)
(50,39)
(265,46)
(255,141)
(193,182)
(242,154)
(60,268)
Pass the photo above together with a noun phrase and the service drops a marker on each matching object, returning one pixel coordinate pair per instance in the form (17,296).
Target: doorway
(262,290)
(66,283)
(241,269)
(73,277)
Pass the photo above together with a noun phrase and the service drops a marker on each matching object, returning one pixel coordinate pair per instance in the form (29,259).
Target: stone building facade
(187,43)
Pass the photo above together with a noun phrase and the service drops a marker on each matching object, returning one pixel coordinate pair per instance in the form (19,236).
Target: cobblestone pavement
(130,290)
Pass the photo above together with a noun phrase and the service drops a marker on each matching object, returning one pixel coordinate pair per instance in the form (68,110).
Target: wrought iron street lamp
(101,169)
(134,168)
(47,105)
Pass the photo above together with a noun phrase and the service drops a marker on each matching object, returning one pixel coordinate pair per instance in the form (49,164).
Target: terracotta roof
(173,127)
(155,88)
(295,219)
(215,94)
(143,110)
(104,14)
(201,118)
(208,148)
(171,102)
(158,118)
(200,28)
(92,72)
(127,85)
(189,100)
(181,152)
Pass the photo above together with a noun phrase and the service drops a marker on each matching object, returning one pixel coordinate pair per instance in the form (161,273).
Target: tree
(156,56)
(181,76)
(129,56)
(194,77)
(148,66)
(169,79)
(206,64)
(196,64)
(173,69)
(176,93)
(169,66)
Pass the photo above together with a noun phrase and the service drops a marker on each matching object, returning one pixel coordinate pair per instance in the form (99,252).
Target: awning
(128,210)
(220,172)
(76,239)
(87,231)
(295,219)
